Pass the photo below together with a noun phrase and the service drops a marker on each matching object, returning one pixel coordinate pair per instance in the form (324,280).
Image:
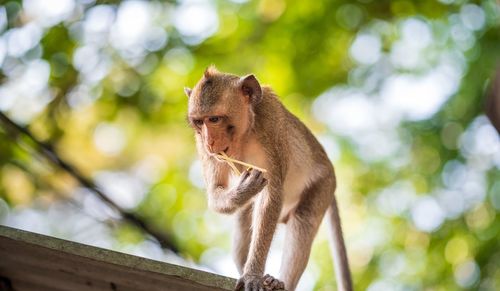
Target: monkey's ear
(251,88)
(188,91)
(210,71)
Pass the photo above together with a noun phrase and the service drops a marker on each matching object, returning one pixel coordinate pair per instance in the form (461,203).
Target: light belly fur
(299,175)
(297,179)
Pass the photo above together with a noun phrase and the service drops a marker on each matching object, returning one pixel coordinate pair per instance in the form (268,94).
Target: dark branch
(492,105)
(47,150)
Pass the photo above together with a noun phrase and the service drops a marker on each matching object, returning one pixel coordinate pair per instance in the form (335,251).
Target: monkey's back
(303,156)
(289,131)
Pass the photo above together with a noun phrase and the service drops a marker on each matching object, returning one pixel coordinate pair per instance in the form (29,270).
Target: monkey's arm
(265,221)
(222,198)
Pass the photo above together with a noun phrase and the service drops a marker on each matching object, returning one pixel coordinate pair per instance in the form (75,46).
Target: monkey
(246,121)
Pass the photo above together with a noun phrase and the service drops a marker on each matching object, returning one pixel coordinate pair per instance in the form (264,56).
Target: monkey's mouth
(225,151)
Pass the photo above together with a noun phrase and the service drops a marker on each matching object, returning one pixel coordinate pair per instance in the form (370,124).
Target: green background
(395,91)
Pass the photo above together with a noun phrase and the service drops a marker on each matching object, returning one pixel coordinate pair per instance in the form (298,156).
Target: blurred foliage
(103,82)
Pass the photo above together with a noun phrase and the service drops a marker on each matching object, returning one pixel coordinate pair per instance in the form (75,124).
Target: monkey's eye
(214,119)
(198,122)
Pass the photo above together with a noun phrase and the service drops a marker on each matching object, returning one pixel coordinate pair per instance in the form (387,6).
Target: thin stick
(228,159)
(234,168)
(229,163)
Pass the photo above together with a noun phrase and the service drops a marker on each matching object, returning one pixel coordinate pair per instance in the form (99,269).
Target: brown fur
(297,189)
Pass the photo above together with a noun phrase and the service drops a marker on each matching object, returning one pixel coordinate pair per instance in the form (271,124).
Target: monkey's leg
(301,229)
(242,236)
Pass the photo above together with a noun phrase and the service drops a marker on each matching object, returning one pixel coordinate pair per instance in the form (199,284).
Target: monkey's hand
(227,201)
(250,184)
(258,283)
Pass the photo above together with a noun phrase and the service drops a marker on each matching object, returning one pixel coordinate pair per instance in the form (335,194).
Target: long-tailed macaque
(236,116)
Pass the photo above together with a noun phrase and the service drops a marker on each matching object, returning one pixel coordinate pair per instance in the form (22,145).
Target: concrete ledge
(30,261)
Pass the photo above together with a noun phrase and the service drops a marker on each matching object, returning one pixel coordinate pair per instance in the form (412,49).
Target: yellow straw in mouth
(231,161)
(223,156)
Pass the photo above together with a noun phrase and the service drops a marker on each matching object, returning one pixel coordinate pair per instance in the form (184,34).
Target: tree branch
(492,105)
(47,150)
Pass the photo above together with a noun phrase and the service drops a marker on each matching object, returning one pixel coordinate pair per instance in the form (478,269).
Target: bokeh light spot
(196,21)
(456,250)
(467,274)
(366,49)
(427,215)
(109,139)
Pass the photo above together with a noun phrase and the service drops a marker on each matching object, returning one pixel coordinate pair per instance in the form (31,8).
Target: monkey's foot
(256,283)
(270,283)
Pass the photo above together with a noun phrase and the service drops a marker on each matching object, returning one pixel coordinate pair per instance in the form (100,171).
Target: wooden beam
(30,261)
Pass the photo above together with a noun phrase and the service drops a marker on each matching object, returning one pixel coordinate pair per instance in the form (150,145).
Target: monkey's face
(220,111)
(221,128)
(214,132)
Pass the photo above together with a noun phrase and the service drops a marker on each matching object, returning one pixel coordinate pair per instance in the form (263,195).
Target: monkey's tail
(343,275)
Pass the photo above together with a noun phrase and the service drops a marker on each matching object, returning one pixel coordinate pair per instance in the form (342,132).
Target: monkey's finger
(264,183)
(256,174)
(257,171)
(267,279)
(277,284)
(256,179)
(245,174)
(239,285)
(272,283)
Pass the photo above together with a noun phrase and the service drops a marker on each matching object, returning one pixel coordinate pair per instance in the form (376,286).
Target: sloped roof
(30,261)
